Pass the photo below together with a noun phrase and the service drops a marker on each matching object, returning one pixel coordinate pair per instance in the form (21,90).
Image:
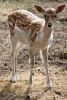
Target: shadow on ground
(9,93)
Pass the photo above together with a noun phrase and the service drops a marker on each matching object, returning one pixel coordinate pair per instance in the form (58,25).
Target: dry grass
(19,90)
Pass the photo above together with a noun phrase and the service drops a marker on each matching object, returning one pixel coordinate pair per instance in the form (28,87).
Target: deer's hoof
(14,78)
(50,84)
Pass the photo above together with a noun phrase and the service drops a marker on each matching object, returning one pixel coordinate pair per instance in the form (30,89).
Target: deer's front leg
(45,58)
(31,56)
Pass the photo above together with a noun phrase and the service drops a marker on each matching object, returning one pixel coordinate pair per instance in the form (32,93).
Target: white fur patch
(20,34)
(14,78)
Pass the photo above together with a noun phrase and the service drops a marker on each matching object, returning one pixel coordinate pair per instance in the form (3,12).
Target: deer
(36,33)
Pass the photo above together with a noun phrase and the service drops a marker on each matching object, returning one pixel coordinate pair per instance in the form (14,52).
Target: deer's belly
(20,34)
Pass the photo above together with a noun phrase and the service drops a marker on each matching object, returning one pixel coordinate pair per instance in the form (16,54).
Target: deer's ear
(60,8)
(39,9)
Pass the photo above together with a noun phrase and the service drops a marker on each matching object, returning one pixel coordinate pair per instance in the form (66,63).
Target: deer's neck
(46,32)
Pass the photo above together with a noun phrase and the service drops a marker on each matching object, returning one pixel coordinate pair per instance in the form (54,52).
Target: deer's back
(27,22)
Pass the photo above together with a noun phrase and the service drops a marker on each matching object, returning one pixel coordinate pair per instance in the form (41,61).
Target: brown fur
(25,22)
(50,11)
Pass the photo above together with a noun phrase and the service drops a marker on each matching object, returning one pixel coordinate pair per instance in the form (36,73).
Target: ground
(57,63)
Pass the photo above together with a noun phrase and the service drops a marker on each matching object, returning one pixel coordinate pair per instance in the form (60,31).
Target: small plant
(63,55)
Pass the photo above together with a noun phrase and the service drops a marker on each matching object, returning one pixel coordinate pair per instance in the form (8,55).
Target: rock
(5,64)
(8,46)
(58,92)
(38,69)
(27,97)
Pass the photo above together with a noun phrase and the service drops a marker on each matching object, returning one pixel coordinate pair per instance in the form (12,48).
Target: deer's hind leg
(31,56)
(15,47)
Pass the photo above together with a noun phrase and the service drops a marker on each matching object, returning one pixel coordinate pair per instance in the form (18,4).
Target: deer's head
(50,14)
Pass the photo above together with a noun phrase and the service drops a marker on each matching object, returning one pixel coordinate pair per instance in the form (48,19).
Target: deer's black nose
(49,24)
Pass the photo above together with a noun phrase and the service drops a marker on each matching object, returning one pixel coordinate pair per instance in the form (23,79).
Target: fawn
(34,32)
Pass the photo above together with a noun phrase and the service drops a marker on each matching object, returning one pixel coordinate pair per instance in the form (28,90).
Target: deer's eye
(45,16)
(55,16)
